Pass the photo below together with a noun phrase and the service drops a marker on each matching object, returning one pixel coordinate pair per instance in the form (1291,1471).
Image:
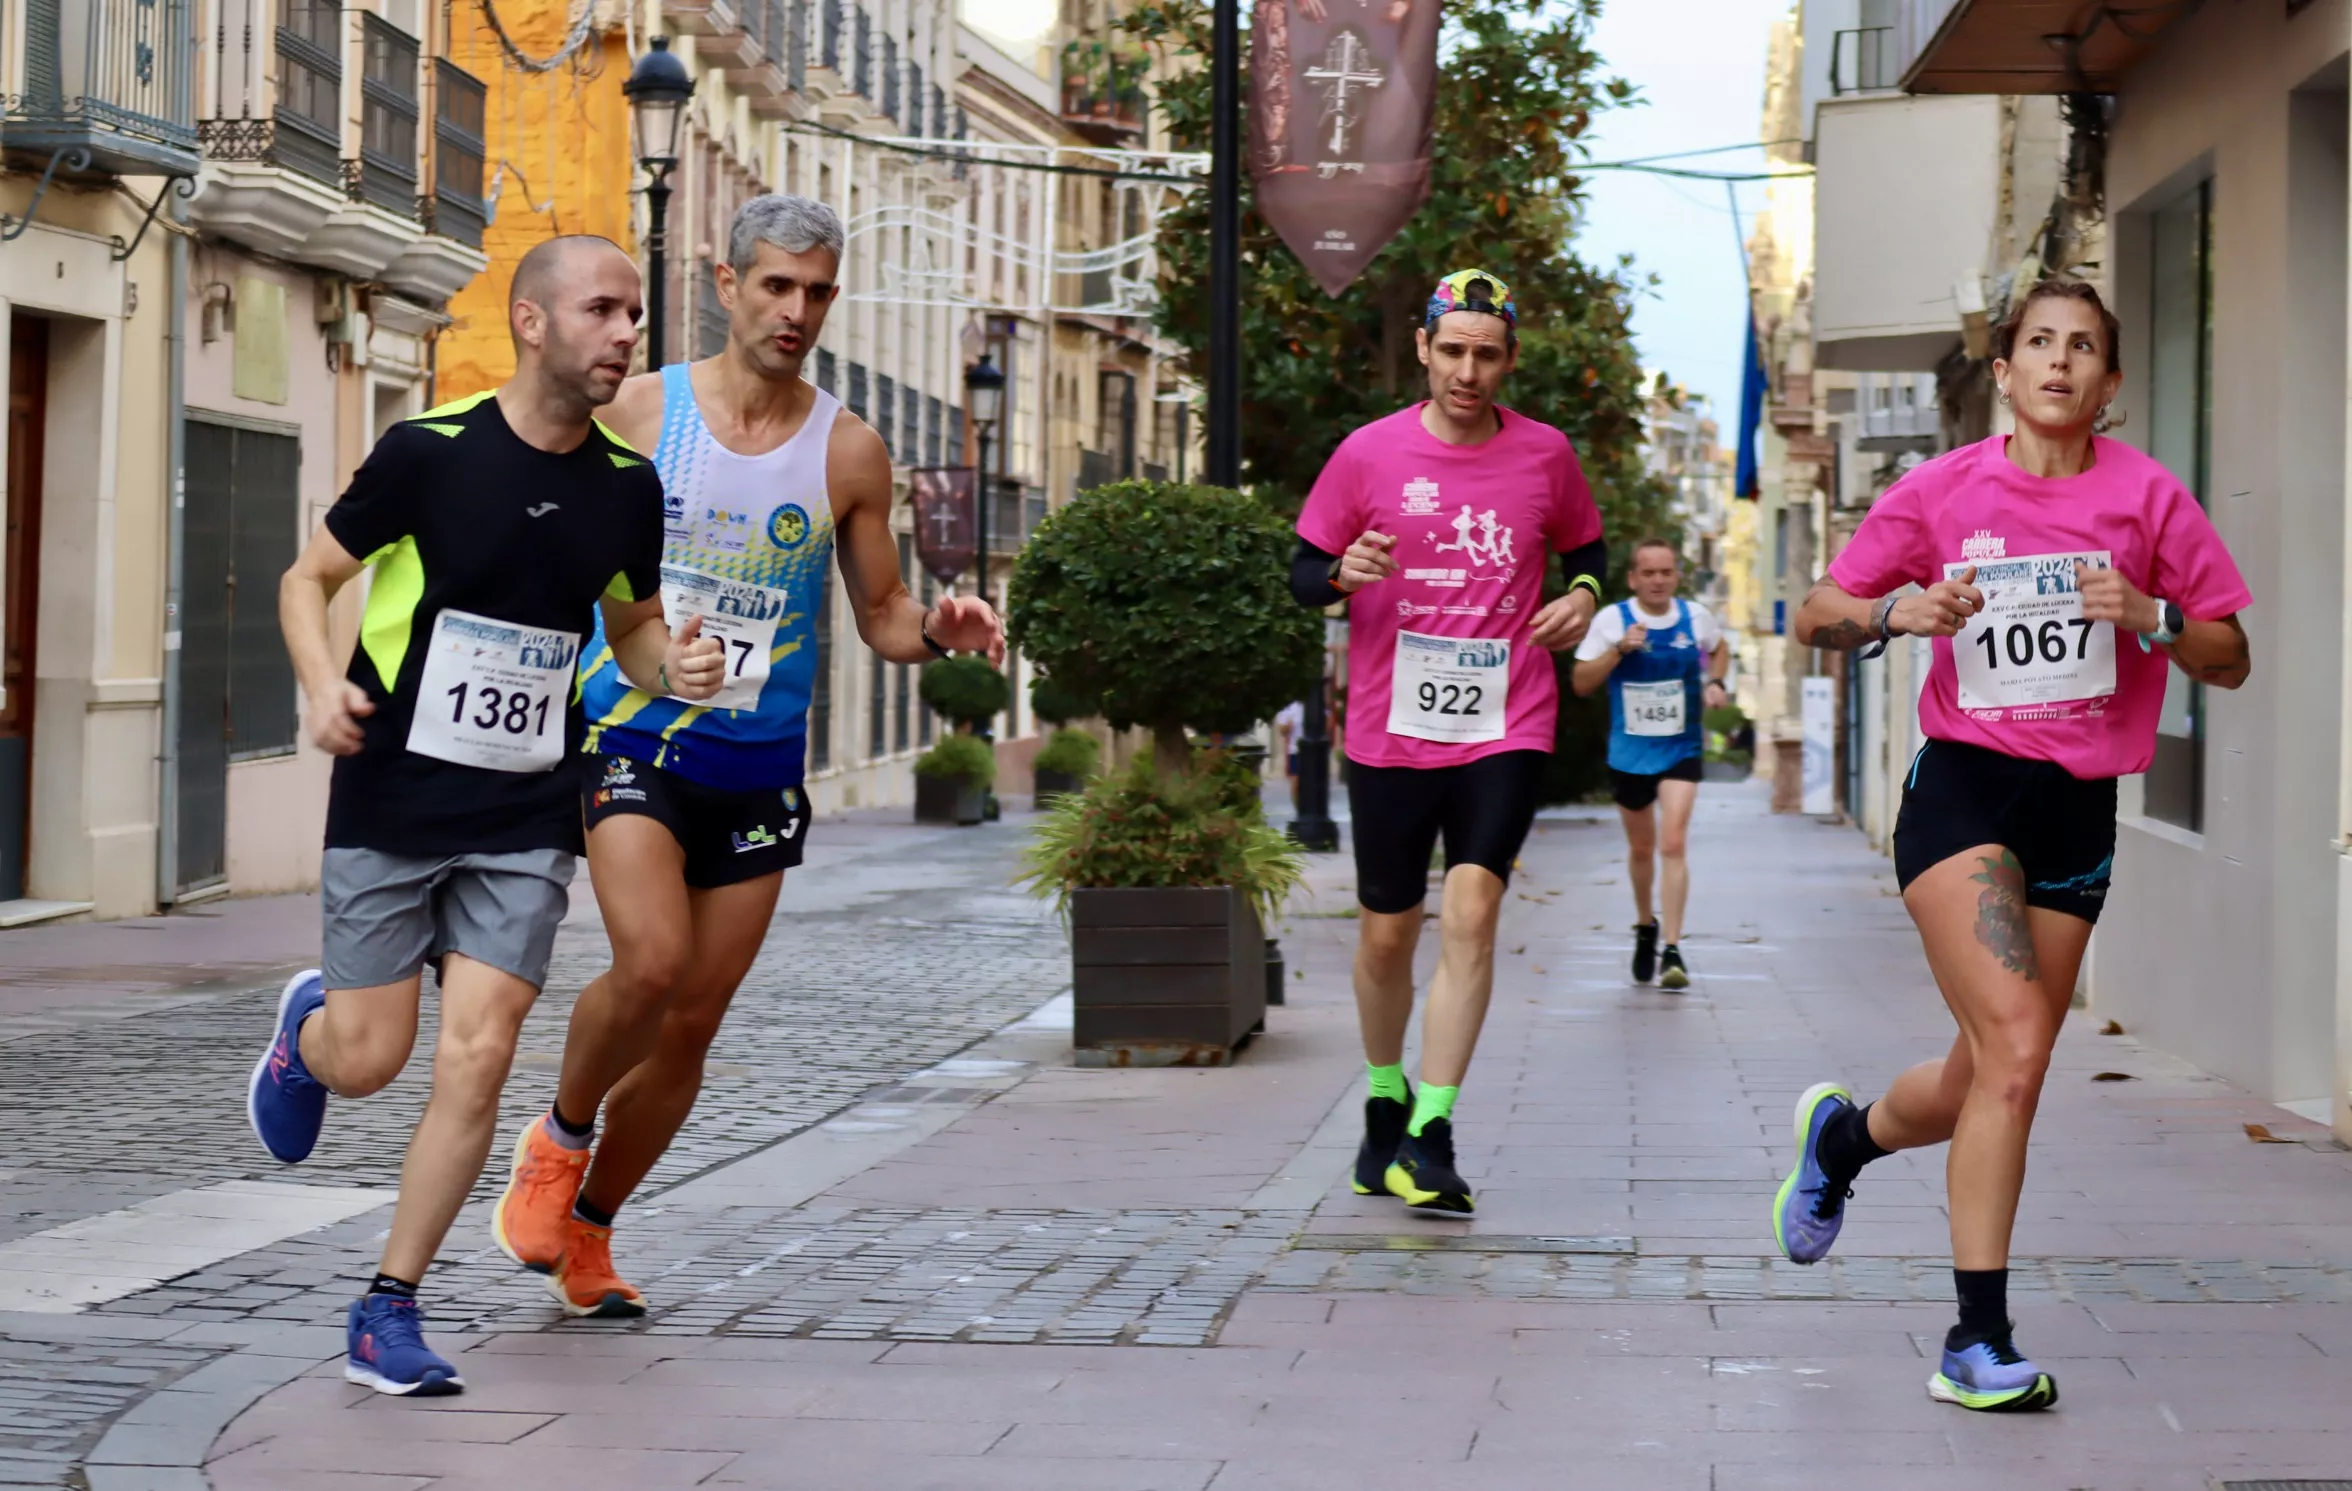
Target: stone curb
(160,1442)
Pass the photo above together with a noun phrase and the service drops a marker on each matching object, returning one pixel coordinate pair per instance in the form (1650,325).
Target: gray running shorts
(388,915)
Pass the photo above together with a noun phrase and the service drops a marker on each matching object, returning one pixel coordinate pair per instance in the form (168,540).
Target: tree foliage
(1052,703)
(1519,87)
(1165,606)
(967,690)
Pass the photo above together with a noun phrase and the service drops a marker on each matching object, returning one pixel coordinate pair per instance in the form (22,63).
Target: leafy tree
(1519,86)
(1052,703)
(1165,606)
(966,690)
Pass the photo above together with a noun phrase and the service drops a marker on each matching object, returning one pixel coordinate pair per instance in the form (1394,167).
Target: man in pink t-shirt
(1435,525)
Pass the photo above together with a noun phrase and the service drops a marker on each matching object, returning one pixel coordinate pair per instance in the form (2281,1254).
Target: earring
(2004,398)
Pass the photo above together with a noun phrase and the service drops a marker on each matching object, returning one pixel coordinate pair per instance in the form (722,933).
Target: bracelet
(1881,623)
(1586,582)
(925,629)
(1331,575)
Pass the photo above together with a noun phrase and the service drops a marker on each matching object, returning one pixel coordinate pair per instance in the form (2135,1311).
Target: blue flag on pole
(1755,385)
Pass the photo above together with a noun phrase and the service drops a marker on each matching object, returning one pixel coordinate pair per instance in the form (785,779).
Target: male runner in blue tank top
(1663,661)
(694,811)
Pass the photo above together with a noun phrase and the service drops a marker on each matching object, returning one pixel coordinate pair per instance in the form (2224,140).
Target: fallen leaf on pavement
(2262,1135)
(1515,952)
(2112,1027)
(1539,968)
(2113,1077)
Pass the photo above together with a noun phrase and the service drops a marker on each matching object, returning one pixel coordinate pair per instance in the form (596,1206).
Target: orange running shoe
(585,1283)
(533,1217)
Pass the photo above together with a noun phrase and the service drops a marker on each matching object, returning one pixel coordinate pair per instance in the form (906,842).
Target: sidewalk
(994,1270)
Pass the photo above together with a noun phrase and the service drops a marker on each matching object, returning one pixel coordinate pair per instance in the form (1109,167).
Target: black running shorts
(729,837)
(2060,827)
(1636,790)
(1482,810)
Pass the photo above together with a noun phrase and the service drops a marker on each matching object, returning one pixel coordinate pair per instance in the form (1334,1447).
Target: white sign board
(1820,746)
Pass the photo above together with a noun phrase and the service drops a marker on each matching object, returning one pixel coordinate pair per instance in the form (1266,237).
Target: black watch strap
(936,649)
(1332,574)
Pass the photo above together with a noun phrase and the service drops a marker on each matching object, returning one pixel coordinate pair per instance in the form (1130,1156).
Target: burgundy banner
(946,522)
(1341,96)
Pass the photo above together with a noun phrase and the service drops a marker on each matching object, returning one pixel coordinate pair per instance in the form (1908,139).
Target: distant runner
(2059,570)
(495,527)
(1435,524)
(695,810)
(1663,660)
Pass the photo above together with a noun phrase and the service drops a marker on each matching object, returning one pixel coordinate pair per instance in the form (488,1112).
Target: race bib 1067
(493,694)
(2031,644)
(1451,689)
(743,617)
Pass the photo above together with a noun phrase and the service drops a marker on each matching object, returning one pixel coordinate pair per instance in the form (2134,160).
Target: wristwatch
(936,649)
(1331,575)
(2170,623)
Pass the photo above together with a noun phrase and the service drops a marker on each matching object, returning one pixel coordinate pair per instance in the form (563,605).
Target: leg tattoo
(2000,915)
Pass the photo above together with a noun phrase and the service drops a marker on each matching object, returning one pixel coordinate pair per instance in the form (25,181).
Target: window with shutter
(826,378)
(857,389)
(388,116)
(710,317)
(886,413)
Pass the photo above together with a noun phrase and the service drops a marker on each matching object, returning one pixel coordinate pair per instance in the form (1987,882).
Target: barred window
(886,413)
(857,389)
(825,372)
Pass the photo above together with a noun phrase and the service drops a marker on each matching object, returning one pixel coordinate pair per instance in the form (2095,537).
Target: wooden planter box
(1165,977)
(1052,784)
(948,800)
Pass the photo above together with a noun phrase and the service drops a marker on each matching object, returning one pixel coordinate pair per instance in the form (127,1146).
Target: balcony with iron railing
(108,86)
(1862,60)
(1102,92)
(460,102)
(385,171)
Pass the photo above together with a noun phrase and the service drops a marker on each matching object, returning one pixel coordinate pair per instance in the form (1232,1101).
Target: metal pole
(980,496)
(1224,453)
(1313,828)
(657,244)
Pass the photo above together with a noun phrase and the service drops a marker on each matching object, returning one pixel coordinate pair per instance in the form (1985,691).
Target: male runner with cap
(695,810)
(1434,525)
(1663,661)
(494,526)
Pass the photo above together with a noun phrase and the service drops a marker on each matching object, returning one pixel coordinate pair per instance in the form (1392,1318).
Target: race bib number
(2031,644)
(741,615)
(493,694)
(1451,689)
(1654,708)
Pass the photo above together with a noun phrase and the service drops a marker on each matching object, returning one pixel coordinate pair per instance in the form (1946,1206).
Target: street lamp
(984,384)
(657,91)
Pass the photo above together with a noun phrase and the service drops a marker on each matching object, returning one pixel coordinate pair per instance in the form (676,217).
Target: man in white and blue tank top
(694,811)
(1663,661)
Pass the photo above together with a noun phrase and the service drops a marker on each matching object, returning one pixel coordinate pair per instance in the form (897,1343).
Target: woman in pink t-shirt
(2057,572)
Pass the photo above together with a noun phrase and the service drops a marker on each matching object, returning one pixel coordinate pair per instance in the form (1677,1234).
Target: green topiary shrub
(964,757)
(1166,606)
(966,690)
(1056,705)
(1071,752)
(1138,829)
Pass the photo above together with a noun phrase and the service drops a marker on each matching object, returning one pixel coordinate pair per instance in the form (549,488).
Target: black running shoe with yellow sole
(1645,952)
(1424,1173)
(1672,974)
(1384,1127)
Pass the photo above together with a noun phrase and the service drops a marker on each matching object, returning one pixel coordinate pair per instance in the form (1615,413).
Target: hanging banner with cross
(946,521)
(1341,97)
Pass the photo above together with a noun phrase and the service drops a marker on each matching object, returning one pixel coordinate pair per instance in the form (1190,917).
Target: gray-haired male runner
(695,811)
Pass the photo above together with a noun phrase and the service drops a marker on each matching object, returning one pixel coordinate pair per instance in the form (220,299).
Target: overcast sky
(1700,66)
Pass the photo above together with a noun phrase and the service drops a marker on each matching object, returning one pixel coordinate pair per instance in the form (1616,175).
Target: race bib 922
(1451,689)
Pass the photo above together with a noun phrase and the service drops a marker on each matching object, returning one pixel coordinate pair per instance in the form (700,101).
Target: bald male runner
(495,527)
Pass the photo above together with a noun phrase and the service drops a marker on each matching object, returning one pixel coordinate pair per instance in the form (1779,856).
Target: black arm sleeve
(1310,577)
(1592,559)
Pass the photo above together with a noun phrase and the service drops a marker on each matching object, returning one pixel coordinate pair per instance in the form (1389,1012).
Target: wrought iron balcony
(1863,61)
(108,86)
(455,207)
(1102,92)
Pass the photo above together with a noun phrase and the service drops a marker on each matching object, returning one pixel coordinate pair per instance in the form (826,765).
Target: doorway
(20,595)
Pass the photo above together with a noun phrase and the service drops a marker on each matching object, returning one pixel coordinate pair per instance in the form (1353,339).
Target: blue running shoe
(288,1106)
(386,1338)
(1991,1377)
(1809,1211)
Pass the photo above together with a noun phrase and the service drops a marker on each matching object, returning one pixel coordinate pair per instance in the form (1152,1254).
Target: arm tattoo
(2000,915)
(1842,635)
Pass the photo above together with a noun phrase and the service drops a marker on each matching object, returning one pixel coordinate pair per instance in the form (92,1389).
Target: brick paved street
(900,1252)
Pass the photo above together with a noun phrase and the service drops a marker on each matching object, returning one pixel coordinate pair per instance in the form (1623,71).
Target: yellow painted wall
(564,136)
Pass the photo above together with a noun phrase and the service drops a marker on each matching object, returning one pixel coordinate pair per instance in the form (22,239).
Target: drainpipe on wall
(167,797)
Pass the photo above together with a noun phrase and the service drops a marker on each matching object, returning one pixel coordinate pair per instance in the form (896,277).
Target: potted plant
(968,693)
(1167,607)
(1068,756)
(952,780)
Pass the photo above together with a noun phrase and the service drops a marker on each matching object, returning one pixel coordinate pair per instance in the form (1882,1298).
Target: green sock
(1387,1081)
(1430,1103)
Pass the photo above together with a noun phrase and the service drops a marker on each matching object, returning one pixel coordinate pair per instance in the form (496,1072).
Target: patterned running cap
(1471,290)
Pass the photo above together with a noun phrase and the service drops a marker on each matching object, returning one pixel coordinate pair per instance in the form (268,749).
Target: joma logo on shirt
(1982,545)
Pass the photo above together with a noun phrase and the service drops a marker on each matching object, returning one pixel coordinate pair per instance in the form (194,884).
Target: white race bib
(1451,689)
(2031,644)
(493,694)
(741,615)
(1654,708)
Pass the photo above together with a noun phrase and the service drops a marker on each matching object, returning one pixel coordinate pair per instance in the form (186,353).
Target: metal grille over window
(710,317)
(933,417)
(797,58)
(388,117)
(915,118)
(890,78)
(886,413)
(955,436)
(862,55)
(309,134)
(458,111)
(826,376)
(832,52)
(857,389)
(911,427)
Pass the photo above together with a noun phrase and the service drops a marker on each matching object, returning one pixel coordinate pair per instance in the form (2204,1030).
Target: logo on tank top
(1420,497)
(1982,545)
(788,526)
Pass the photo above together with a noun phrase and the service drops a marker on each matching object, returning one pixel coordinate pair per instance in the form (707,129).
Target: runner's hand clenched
(1941,609)
(1636,639)
(335,715)
(1366,560)
(694,665)
(1562,624)
(2108,596)
(966,623)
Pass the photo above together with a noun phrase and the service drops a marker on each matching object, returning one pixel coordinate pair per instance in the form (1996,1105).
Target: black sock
(576,1130)
(1846,1145)
(397,1288)
(589,1212)
(1984,1306)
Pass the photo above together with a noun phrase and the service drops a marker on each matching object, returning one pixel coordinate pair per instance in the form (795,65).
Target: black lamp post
(657,90)
(984,385)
